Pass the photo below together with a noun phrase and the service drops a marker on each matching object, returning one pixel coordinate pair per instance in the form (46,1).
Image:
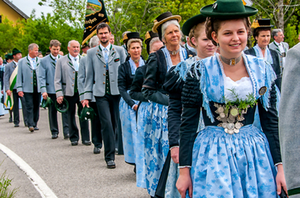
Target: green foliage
(5,182)
(67,21)
(241,104)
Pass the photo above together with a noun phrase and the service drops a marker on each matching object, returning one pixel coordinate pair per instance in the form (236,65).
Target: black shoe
(31,129)
(54,136)
(66,136)
(74,143)
(36,128)
(111,164)
(86,143)
(16,125)
(10,120)
(96,150)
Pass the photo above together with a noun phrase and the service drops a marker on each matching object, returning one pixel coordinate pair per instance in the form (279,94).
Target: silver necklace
(174,52)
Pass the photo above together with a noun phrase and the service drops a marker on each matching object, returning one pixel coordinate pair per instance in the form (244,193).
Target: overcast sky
(27,6)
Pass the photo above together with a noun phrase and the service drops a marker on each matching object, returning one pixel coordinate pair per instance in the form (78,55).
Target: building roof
(10,4)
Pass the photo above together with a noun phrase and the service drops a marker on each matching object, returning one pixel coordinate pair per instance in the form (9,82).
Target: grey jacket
(96,71)
(64,79)
(25,75)
(289,123)
(46,74)
(274,46)
(9,68)
(81,79)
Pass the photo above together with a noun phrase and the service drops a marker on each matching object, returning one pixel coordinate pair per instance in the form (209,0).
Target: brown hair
(55,43)
(195,32)
(257,30)
(103,25)
(213,25)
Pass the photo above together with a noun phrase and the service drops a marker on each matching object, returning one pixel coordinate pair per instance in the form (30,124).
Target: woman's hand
(175,154)
(280,179)
(184,182)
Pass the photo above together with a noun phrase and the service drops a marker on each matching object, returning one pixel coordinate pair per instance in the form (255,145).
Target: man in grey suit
(289,122)
(65,83)
(95,123)
(46,77)
(102,82)
(11,87)
(28,85)
(279,46)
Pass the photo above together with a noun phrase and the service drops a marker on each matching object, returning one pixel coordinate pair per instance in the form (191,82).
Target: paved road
(69,171)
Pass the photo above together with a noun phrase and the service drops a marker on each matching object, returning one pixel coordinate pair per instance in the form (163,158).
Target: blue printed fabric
(156,144)
(171,190)
(139,145)
(129,130)
(238,165)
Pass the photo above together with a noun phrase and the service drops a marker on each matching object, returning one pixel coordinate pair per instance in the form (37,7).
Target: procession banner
(95,14)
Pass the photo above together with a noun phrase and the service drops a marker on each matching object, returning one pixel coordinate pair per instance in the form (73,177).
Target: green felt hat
(63,107)
(87,113)
(47,102)
(191,22)
(15,51)
(8,56)
(228,9)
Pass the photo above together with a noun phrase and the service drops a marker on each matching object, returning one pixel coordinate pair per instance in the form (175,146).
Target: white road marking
(35,179)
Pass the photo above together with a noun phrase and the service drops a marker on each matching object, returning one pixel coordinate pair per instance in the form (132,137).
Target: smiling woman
(221,160)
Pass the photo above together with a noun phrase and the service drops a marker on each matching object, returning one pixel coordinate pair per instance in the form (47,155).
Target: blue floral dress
(139,143)
(238,164)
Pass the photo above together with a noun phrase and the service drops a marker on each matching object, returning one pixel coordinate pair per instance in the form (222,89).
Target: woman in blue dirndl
(158,64)
(230,157)
(153,44)
(195,29)
(128,106)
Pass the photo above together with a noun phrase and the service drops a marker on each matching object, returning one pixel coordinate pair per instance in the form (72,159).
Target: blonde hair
(134,40)
(195,32)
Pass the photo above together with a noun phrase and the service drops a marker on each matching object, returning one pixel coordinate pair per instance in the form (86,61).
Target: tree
(279,11)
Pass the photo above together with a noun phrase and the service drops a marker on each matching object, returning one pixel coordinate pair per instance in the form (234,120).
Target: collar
(30,59)
(53,57)
(15,62)
(107,47)
(72,57)
(277,43)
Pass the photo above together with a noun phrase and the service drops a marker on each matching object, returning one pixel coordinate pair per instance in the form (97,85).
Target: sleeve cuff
(184,166)
(88,96)
(174,147)
(59,94)
(278,164)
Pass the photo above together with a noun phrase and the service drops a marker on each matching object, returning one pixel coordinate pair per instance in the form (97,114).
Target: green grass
(5,182)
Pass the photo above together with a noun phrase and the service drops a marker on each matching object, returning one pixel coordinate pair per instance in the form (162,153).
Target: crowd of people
(195,120)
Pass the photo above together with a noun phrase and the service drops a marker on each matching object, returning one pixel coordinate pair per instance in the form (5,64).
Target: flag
(95,14)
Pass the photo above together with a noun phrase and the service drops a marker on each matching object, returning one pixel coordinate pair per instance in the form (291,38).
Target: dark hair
(103,25)
(258,30)
(213,25)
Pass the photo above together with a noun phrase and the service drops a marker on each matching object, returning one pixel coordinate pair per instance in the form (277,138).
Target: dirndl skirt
(156,144)
(139,145)
(238,165)
(129,130)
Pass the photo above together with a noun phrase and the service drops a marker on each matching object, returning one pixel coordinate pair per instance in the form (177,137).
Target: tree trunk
(280,24)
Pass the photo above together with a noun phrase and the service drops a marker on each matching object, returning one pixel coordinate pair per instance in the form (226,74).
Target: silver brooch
(231,117)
